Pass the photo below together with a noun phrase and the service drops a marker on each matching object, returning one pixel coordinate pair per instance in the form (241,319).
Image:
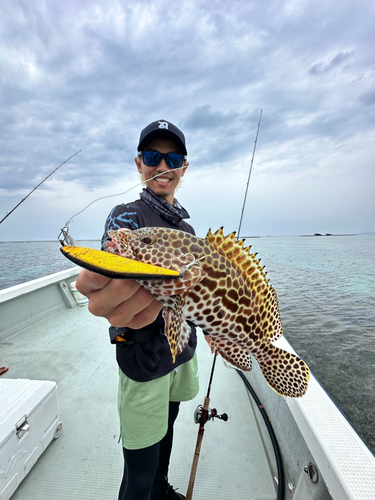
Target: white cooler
(28,423)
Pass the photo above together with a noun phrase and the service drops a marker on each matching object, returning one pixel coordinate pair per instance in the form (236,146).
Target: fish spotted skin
(224,290)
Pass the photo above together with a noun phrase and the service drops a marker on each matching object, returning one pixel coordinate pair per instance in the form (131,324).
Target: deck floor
(85,462)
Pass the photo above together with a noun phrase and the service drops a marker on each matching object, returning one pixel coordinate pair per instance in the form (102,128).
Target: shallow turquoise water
(326,289)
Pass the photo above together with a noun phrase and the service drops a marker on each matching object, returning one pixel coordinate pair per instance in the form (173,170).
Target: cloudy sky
(89,75)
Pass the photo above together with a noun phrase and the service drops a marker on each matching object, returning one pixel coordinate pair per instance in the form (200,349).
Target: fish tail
(285,372)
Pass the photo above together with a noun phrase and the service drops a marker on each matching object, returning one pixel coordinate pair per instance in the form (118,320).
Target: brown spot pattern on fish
(224,290)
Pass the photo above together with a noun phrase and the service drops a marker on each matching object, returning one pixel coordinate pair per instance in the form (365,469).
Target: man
(150,385)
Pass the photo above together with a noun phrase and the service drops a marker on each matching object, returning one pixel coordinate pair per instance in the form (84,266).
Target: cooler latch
(22,427)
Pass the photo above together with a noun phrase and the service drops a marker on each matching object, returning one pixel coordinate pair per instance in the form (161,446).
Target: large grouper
(223,289)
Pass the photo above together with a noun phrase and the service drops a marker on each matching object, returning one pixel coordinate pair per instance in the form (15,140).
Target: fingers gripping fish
(224,291)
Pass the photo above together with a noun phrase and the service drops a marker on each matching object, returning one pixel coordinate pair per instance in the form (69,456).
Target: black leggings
(148,466)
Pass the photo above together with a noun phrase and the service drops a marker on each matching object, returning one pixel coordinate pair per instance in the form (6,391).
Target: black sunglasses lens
(151,158)
(174,160)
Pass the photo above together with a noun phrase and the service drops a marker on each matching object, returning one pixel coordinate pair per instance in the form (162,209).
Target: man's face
(165,185)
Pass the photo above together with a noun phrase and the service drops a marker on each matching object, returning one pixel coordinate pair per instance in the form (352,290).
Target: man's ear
(186,164)
(138,162)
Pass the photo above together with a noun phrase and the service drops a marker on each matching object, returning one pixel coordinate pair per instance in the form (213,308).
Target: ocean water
(22,261)
(326,290)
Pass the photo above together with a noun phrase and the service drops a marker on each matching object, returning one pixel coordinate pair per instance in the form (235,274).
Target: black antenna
(40,183)
(248,180)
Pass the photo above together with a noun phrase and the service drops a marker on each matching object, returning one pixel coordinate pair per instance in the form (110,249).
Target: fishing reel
(202,416)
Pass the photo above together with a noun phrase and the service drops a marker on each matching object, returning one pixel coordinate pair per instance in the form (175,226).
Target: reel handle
(223,416)
(210,415)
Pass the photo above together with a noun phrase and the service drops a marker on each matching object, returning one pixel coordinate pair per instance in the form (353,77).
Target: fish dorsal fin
(239,256)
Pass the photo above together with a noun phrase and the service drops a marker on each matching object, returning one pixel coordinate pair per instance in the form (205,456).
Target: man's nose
(163,165)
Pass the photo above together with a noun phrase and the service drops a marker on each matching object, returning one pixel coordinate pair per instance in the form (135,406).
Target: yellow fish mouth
(115,267)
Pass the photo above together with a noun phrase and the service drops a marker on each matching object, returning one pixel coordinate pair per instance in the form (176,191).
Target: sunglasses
(153,158)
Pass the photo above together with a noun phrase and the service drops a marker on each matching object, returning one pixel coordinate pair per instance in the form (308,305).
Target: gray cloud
(324,67)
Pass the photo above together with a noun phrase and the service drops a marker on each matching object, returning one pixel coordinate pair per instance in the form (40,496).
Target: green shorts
(144,406)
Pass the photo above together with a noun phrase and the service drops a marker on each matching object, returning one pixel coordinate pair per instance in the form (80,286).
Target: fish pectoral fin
(285,372)
(236,356)
(173,322)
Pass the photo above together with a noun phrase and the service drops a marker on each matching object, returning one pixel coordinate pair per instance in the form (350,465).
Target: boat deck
(72,348)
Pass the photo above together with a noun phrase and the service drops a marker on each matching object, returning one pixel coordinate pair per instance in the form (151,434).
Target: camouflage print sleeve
(121,216)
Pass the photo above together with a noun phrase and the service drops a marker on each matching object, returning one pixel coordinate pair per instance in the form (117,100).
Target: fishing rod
(201,415)
(248,179)
(40,183)
(275,445)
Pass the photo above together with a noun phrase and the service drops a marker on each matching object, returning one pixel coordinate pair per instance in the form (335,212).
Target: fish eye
(148,240)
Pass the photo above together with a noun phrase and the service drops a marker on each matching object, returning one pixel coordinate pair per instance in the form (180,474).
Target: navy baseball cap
(162,130)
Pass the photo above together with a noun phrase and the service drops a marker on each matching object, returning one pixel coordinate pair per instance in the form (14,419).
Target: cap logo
(163,125)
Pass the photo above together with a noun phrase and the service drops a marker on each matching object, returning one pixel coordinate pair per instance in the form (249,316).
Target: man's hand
(121,302)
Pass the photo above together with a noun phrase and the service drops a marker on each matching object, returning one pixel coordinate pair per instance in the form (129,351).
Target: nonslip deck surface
(85,462)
